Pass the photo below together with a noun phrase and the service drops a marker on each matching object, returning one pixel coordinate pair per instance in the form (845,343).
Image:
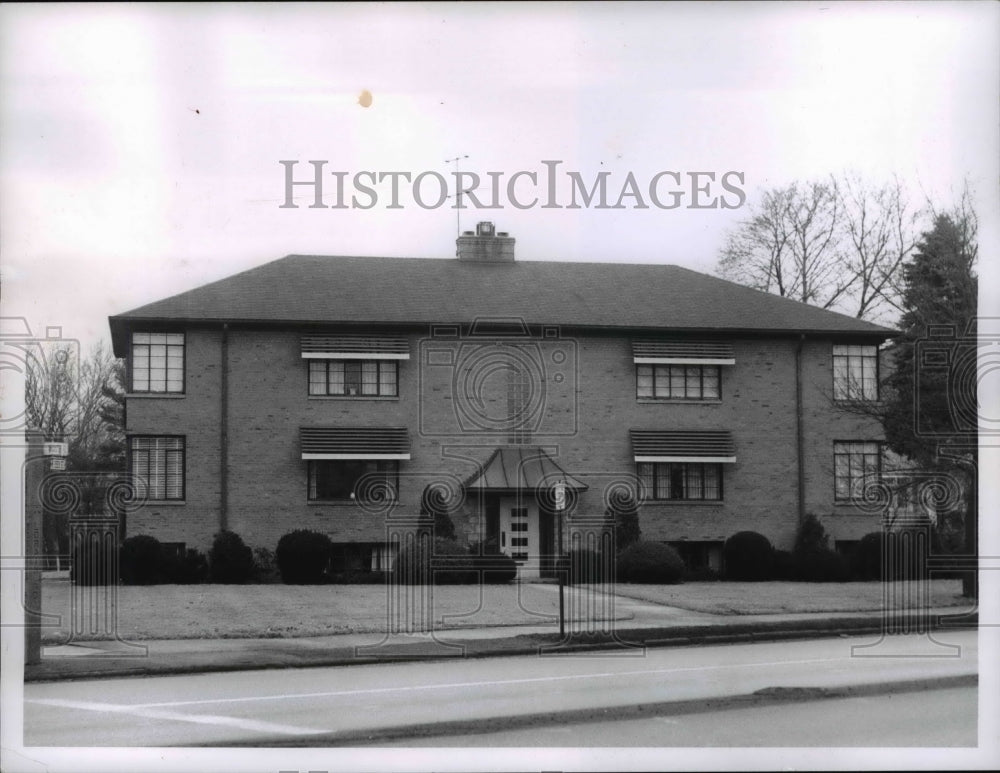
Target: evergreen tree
(434,504)
(931,396)
(624,517)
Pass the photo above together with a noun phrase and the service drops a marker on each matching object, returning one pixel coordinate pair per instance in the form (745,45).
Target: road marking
(200,719)
(491,683)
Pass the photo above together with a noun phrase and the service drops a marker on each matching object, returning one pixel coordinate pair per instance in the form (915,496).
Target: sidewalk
(635,624)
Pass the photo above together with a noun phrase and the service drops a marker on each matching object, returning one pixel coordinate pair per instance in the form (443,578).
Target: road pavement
(378,703)
(939,718)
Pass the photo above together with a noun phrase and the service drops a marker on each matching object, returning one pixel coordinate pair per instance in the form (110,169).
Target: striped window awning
(355,443)
(653,445)
(682,352)
(319,346)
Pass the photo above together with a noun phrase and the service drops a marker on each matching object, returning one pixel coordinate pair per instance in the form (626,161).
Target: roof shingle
(363,290)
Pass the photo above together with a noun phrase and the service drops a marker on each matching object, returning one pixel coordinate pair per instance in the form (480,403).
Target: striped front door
(519,535)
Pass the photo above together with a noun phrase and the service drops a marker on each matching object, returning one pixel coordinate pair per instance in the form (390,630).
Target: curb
(767,697)
(543,645)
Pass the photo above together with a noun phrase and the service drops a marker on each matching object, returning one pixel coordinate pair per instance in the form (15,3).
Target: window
(343,479)
(383,556)
(855,464)
(855,372)
(376,378)
(519,523)
(677,382)
(158,362)
(700,556)
(680,480)
(157,465)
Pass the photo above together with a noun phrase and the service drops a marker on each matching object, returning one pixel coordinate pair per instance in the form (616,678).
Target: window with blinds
(352,480)
(353,378)
(680,480)
(157,465)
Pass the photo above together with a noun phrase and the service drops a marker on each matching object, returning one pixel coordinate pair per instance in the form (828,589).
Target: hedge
(303,557)
(230,560)
(748,556)
(141,561)
(583,566)
(650,562)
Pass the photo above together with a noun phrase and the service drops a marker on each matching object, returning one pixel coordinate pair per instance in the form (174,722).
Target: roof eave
(120,325)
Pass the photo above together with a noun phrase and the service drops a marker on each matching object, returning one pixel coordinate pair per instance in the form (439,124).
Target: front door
(519,535)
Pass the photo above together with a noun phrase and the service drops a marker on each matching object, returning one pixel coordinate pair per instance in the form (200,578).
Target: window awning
(653,445)
(319,346)
(520,468)
(682,352)
(355,443)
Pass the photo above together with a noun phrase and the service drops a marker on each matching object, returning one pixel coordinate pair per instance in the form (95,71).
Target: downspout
(224,432)
(799,431)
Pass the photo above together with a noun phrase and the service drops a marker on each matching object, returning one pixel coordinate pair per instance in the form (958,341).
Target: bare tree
(69,400)
(80,403)
(50,392)
(880,228)
(838,244)
(789,246)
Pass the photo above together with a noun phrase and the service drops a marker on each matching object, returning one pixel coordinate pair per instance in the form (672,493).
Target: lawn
(280,611)
(767,598)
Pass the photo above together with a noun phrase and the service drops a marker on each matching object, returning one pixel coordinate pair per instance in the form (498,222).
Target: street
(347,705)
(947,717)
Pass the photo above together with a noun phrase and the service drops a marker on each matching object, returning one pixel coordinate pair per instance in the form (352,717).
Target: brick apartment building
(328,393)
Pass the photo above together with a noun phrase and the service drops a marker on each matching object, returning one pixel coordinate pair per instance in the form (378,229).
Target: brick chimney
(486,245)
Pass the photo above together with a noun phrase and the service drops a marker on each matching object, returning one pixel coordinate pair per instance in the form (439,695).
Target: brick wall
(584,419)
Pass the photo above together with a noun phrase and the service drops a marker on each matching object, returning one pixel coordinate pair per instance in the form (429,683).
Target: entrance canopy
(520,468)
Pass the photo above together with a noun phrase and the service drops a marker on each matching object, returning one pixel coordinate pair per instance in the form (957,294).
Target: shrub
(413,563)
(700,574)
(866,559)
(810,535)
(92,563)
(748,555)
(417,564)
(433,502)
(489,564)
(812,558)
(820,565)
(908,551)
(142,561)
(584,565)
(493,568)
(302,557)
(265,568)
(624,516)
(359,578)
(451,564)
(650,562)
(230,561)
(189,569)
(783,566)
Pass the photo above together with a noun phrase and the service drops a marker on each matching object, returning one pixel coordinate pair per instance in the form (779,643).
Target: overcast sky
(140,144)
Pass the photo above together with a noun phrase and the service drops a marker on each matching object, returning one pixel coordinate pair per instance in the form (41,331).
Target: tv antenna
(458,192)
